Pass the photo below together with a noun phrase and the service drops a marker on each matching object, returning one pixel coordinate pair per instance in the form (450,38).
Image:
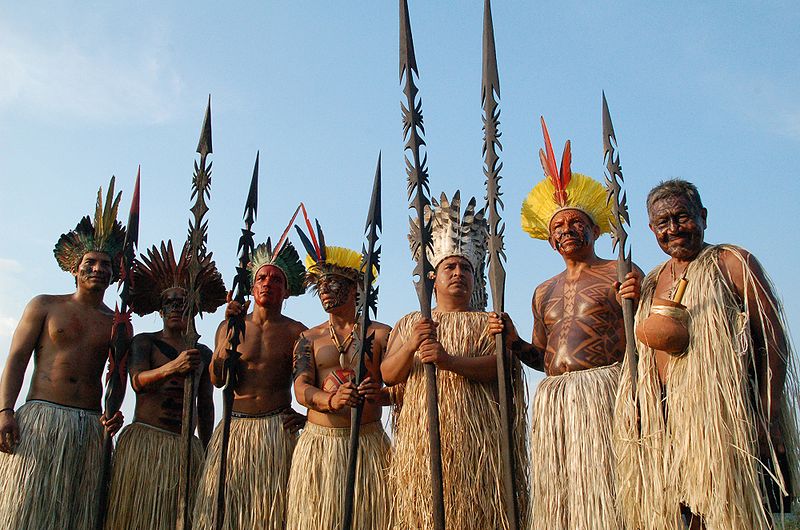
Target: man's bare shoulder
(381,330)
(317,332)
(548,285)
(295,326)
(144,338)
(57,302)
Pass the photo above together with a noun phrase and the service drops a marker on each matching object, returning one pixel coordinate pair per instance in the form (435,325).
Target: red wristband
(330,399)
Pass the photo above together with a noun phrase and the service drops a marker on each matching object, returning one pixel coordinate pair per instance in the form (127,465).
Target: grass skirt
(146,476)
(319,470)
(469,419)
(693,442)
(259,458)
(572,458)
(52,479)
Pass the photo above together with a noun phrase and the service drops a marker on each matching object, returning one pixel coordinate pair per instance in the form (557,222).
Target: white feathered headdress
(454,235)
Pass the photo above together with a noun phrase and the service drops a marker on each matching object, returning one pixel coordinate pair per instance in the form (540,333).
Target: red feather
(550,170)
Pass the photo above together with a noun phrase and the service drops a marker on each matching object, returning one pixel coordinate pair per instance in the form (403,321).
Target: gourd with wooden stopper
(667,327)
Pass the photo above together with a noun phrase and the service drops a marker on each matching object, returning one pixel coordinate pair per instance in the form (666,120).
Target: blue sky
(707,91)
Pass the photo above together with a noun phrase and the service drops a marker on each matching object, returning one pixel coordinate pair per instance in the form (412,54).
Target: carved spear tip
(374,216)
(608,126)
(133,216)
(204,145)
(490,75)
(407,57)
(251,205)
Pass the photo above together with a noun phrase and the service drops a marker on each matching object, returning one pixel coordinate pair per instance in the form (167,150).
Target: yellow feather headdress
(106,235)
(563,190)
(323,260)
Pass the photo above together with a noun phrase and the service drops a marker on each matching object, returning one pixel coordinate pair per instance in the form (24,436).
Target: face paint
(269,287)
(571,231)
(94,271)
(333,291)
(678,228)
(173,305)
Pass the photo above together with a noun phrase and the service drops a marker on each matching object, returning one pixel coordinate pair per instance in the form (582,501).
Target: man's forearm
(396,366)
(528,354)
(11,383)
(479,369)
(312,397)
(151,379)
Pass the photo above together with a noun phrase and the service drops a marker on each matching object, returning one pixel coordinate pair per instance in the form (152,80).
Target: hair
(675,188)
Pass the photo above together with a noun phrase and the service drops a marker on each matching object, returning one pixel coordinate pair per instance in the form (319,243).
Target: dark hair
(675,188)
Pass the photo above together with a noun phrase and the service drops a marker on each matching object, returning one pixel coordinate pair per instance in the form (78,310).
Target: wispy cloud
(765,101)
(71,77)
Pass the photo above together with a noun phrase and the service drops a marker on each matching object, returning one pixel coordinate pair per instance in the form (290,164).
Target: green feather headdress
(286,259)
(106,235)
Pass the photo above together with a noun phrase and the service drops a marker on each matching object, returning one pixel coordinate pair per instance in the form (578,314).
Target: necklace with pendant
(342,346)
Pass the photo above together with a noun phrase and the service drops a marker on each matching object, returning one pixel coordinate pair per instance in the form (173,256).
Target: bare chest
(586,298)
(73,331)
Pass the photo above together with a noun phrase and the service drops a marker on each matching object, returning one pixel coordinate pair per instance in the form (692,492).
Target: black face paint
(173,304)
(333,291)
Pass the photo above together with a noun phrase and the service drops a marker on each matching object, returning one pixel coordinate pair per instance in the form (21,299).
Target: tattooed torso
(160,405)
(579,321)
(317,358)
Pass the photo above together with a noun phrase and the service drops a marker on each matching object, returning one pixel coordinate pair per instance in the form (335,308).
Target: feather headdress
(284,258)
(563,190)
(158,271)
(323,260)
(106,235)
(454,235)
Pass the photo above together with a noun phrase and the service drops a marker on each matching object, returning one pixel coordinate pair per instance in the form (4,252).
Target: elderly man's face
(678,226)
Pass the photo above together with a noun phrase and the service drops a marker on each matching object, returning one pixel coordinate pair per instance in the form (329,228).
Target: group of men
(706,438)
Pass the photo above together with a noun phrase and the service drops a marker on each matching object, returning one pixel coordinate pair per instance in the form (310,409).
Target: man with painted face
(578,341)
(53,445)
(147,461)
(458,340)
(325,359)
(264,427)
(711,440)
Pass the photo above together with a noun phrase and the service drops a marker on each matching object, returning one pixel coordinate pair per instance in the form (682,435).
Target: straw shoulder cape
(697,445)
(469,417)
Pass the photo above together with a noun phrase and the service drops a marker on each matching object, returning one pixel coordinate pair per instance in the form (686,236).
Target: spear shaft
(620,217)
(198,233)
(236,332)
(120,347)
(418,190)
(490,95)
(368,300)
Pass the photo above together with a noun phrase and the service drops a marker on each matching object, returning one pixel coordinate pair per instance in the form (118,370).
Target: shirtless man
(144,489)
(324,365)
(264,426)
(729,400)
(50,474)
(578,341)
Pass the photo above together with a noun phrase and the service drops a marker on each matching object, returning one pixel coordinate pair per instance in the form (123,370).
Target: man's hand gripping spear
(367,300)
(121,335)
(198,234)
(418,190)
(236,332)
(490,95)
